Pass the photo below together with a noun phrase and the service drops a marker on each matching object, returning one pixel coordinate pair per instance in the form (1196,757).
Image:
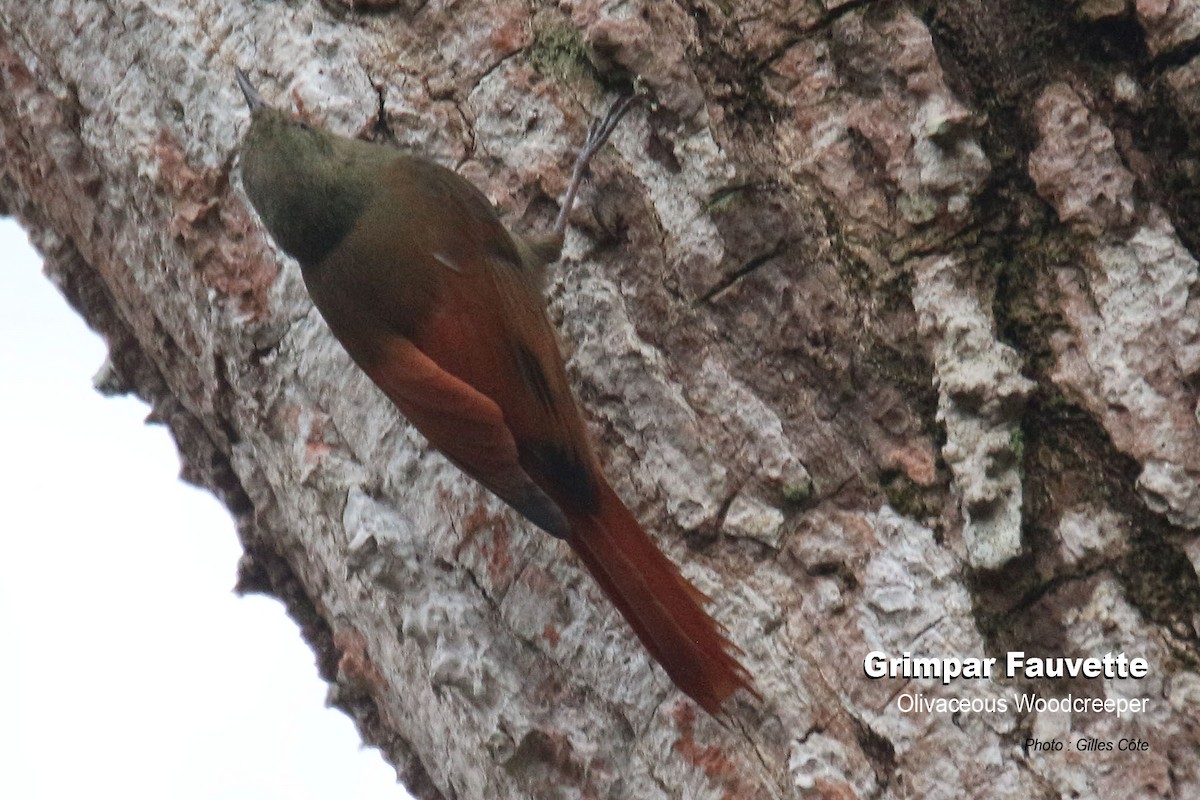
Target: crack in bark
(824,21)
(727,282)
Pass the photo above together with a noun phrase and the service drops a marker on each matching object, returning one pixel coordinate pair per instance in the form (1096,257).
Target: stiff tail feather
(664,609)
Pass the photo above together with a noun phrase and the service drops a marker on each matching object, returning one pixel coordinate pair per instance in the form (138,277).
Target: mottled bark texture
(884,318)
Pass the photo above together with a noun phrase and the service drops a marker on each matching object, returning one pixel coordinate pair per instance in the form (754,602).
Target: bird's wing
(490,331)
(461,342)
(466,426)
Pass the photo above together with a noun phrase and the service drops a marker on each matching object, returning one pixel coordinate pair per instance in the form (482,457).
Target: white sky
(128,666)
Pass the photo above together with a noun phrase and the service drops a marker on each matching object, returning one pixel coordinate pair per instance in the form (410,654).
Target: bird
(443,308)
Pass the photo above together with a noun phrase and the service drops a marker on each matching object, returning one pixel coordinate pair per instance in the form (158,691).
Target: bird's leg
(598,133)
(544,249)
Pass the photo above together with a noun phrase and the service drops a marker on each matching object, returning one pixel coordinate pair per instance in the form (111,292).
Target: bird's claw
(598,134)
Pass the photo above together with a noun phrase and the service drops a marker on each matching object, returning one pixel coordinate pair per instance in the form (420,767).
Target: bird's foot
(598,134)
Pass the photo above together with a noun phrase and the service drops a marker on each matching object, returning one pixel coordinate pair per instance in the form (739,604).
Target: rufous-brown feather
(501,366)
(442,308)
(539,436)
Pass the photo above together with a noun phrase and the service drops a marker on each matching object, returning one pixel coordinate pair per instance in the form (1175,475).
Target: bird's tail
(663,607)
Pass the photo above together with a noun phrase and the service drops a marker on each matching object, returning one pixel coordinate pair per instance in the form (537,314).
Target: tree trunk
(884,317)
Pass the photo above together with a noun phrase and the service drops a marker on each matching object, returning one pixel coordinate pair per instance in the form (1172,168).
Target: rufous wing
(465,425)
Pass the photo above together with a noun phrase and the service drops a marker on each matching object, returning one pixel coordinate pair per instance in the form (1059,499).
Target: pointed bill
(253,98)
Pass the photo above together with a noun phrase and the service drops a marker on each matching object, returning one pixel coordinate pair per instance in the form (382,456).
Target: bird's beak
(253,98)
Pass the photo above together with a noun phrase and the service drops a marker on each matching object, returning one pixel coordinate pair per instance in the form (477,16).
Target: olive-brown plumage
(442,308)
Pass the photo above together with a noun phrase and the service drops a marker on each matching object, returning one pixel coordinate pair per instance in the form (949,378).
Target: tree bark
(885,319)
